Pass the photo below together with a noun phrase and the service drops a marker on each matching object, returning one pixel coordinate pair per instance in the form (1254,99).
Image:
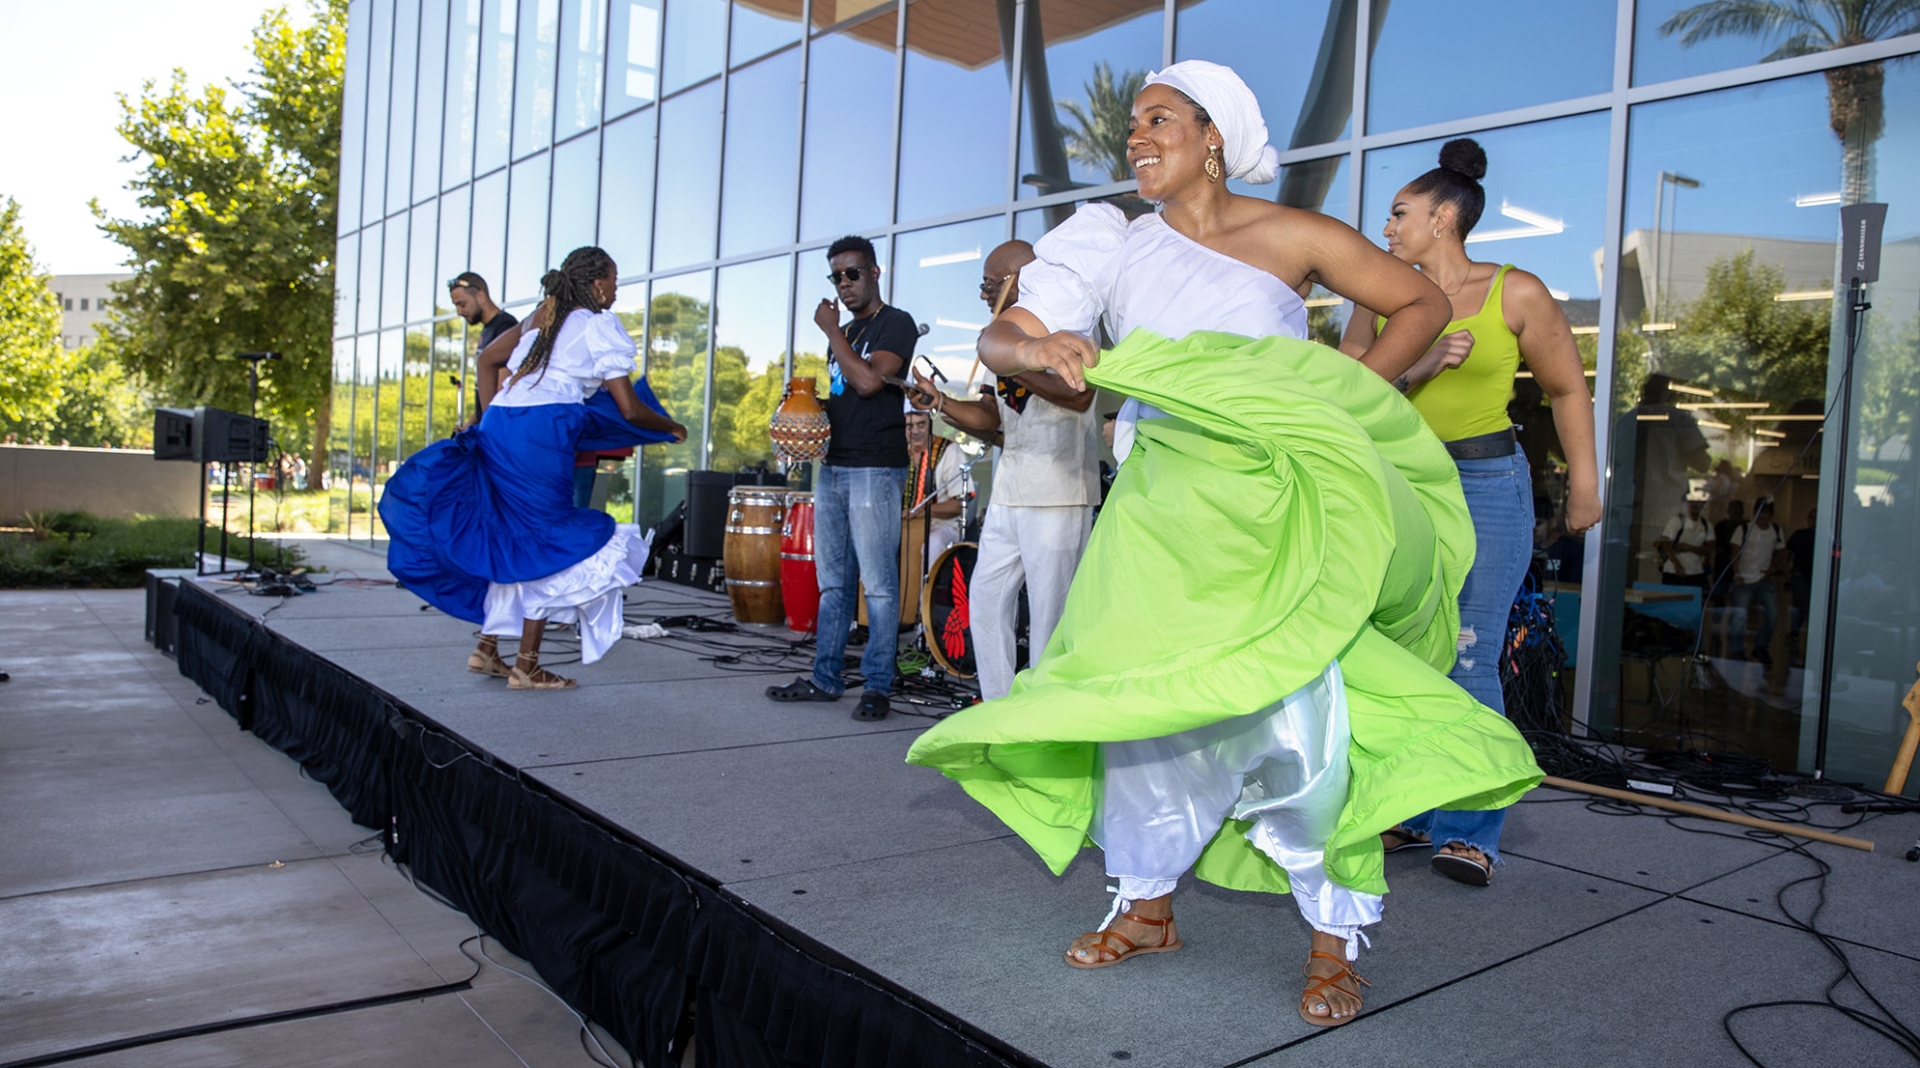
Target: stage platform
(664,835)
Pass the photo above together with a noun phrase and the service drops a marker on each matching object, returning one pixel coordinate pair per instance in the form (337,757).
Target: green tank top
(1471,399)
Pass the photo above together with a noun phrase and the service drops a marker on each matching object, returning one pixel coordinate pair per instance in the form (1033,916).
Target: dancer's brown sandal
(1111,947)
(529,675)
(486,661)
(1317,986)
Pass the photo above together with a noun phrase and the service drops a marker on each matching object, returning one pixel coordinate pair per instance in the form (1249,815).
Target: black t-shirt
(501,322)
(871,431)
(1800,551)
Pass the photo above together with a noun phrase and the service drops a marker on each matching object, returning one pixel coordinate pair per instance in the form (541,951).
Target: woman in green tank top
(1503,317)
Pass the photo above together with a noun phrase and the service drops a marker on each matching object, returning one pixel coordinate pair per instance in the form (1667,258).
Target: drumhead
(944,608)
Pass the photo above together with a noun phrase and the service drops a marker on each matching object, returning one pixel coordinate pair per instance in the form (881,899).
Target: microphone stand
(1856,317)
(254,359)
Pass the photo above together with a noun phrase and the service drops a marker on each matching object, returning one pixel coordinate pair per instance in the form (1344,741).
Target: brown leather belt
(1483,446)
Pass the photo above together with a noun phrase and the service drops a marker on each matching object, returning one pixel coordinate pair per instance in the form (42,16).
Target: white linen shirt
(1145,274)
(591,348)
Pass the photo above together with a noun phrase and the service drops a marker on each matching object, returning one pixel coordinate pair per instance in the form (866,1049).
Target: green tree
(1856,104)
(235,251)
(33,365)
(1737,337)
(1097,135)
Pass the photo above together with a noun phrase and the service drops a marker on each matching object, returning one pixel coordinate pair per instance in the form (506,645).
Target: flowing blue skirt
(494,503)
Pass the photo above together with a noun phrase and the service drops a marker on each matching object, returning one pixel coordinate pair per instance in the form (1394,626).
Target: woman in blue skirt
(483,526)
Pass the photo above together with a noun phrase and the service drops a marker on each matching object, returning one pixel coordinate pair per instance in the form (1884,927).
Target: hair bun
(1464,156)
(552,282)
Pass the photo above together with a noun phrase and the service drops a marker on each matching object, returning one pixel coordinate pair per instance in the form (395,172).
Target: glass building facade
(1678,191)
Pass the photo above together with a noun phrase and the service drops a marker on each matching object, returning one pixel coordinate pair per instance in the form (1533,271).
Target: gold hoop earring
(1213,168)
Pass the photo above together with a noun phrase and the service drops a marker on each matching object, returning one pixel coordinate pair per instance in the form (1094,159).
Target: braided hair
(1457,182)
(570,287)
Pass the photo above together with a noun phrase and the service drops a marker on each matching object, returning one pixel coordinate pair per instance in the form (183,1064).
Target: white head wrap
(1235,112)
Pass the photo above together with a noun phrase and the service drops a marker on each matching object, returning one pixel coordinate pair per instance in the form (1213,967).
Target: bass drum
(946,612)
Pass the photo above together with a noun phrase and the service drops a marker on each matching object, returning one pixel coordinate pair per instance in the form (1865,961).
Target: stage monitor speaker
(173,434)
(707,513)
(223,437)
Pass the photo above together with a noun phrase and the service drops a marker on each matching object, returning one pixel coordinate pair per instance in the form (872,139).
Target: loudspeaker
(668,537)
(707,513)
(173,434)
(209,436)
(223,437)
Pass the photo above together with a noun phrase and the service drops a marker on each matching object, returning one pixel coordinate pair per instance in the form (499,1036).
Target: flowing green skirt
(1293,510)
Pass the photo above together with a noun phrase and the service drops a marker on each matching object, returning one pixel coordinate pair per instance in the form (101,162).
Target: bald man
(1045,485)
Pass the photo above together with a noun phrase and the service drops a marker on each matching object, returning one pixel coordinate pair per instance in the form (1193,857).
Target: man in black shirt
(468,292)
(856,499)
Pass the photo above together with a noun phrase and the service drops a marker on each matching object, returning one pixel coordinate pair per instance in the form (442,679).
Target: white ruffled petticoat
(590,595)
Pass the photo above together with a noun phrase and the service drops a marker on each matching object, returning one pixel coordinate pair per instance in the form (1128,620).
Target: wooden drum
(755,515)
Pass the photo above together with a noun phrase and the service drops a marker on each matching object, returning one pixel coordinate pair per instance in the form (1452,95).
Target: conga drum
(799,583)
(751,553)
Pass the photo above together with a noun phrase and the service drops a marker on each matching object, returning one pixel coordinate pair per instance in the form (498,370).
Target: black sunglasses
(851,274)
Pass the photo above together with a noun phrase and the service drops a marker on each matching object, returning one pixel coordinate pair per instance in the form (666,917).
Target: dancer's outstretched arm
(621,388)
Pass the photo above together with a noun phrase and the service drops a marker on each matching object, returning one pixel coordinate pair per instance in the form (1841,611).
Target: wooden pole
(1903,759)
(1704,812)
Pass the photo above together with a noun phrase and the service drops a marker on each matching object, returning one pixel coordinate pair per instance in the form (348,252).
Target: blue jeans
(1499,494)
(856,537)
(1745,594)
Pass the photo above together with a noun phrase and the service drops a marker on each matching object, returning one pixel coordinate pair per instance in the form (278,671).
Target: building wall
(83,304)
(714,149)
(112,483)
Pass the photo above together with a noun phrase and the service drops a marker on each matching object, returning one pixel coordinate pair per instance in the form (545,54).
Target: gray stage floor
(1606,940)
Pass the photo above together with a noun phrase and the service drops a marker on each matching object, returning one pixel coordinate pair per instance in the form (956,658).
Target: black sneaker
(872,706)
(800,690)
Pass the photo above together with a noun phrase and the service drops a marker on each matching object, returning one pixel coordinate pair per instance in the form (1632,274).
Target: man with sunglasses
(468,293)
(1045,485)
(856,497)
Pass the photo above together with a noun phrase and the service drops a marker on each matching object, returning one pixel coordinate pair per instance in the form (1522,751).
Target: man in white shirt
(1759,551)
(1045,485)
(1683,546)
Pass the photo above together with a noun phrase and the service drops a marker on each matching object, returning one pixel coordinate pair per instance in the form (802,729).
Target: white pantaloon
(1037,545)
(1284,767)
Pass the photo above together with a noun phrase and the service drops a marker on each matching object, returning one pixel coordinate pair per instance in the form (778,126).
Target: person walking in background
(1759,550)
(857,496)
(1502,317)
(1684,546)
(482,525)
(1800,545)
(468,293)
(1045,485)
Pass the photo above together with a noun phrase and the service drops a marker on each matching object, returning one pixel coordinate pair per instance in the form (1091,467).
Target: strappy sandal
(1316,988)
(486,661)
(1395,839)
(537,679)
(1114,947)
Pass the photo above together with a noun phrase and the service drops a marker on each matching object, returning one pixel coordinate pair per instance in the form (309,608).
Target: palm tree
(1856,104)
(1100,139)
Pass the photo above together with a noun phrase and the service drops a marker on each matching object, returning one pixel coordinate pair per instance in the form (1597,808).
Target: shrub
(77,550)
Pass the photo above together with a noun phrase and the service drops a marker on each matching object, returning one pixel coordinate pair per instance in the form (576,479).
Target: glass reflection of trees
(1073,124)
(749,361)
(1728,340)
(676,359)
